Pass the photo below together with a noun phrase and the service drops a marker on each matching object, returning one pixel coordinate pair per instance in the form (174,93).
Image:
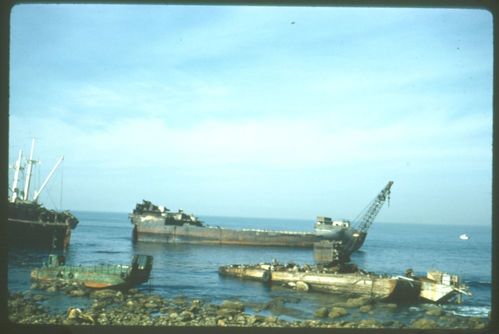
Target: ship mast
(31,162)
(37,193)
(17,168)
(372,210)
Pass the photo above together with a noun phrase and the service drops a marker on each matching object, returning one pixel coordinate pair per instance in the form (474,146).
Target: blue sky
(258,111)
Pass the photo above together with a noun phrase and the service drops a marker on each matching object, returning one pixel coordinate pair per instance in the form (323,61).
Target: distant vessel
(158,224)
(29,223)
(97,276)
(464,237)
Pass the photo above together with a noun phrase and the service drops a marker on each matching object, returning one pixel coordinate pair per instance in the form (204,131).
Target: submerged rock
(321,312)
(337,312)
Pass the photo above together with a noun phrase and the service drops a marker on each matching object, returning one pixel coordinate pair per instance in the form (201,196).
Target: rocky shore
(132,308)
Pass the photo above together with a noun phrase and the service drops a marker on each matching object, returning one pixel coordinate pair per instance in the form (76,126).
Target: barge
(97,276)
(29,223)
(153,223)
(353,282)
(334,273)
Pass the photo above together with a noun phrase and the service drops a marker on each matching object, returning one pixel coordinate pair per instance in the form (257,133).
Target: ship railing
(275,231)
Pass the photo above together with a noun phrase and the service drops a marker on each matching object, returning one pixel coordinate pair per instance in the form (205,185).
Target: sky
(257,111)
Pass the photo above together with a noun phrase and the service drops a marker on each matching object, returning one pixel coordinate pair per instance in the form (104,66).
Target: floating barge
(30,224)
(154,223)
(96,276)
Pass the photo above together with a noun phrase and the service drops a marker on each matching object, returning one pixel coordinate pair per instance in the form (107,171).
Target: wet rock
(365,308)
(271,319)
(436,312)
(389,306)
(357,302)
(424,323)
(104,294)
(337,312)
(78,293)
(186,315)
(233,305)
(39,298)
(301,286)
(369,323)
(52,288)
(321,312)
(78,316)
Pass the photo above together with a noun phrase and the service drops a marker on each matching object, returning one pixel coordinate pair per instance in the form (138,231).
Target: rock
(369,323)
(436,312)
(321,312)
(39,298)
(390,306)
(104,294)
(357,302)
(233,305)
(186,315)
(52,288)
(302,286)
(79,316)
(78,293)
(271,319)
(424,324)
(365,308)
(337,312)
(251,320)
(221,322)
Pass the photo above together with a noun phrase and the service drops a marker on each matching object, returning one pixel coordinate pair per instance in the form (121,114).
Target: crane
(366,217)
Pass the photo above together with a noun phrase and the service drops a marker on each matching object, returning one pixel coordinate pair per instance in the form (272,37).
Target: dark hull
(37,234)
(154,229)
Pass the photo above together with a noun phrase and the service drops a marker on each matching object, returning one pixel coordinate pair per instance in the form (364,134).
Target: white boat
(464,237)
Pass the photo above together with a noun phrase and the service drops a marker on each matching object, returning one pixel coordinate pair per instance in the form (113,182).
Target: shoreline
(135,308)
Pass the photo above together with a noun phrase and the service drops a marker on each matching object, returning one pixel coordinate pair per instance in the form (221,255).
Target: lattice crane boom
(367,216)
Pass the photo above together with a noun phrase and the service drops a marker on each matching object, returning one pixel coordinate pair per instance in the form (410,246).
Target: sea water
(192,270)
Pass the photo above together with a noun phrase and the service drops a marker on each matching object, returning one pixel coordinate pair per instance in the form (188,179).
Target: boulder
(337,312)
(321,312)
(424,323)
(233,305)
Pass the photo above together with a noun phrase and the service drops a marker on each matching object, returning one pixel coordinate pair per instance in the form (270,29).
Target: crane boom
(367,216)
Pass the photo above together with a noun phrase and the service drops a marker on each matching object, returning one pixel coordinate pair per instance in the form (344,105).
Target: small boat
(96,276)
(347,280)
(464,237)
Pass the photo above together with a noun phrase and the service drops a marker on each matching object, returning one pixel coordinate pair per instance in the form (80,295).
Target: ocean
(192,270)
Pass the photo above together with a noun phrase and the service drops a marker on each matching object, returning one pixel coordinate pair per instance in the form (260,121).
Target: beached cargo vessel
(97,276)
(158,224)
(30,224)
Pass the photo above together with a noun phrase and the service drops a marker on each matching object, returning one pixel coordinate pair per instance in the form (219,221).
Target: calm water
(191,270)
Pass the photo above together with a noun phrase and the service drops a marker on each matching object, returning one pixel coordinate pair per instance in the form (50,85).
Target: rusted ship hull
(97,276)
(154,230)
(372,286)
(37,234)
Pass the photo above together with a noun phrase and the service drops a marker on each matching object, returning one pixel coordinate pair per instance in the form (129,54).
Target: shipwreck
(96,276)
(154,223)
(334,273)
(30,224)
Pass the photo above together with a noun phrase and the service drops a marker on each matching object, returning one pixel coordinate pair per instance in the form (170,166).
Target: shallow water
(192,270)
